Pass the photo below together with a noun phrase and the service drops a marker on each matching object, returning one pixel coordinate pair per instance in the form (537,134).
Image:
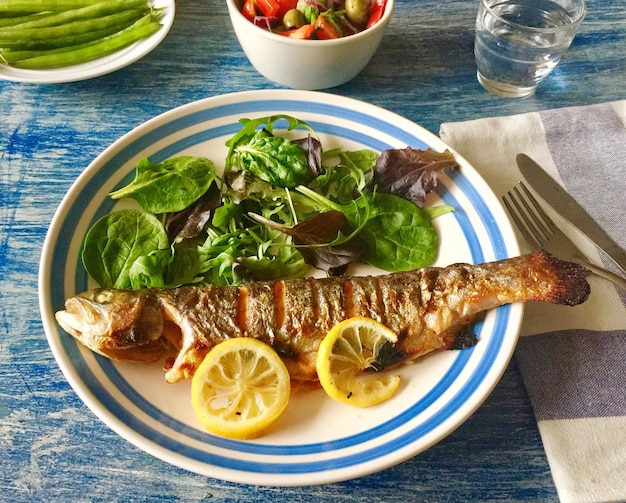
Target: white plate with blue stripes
(316,440)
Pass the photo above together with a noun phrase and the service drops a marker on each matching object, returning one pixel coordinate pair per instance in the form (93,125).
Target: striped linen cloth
(573,360)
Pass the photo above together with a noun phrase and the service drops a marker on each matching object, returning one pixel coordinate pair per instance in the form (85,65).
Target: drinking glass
(519,42)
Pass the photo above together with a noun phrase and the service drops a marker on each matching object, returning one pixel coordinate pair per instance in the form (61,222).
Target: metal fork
(539,229)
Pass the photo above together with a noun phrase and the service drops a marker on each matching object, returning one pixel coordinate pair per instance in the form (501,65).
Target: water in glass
(519,42)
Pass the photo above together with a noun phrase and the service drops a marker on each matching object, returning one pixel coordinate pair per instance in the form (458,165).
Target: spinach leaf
(115,249)
(275,159)
(400,235)
(437,211)
(170,186)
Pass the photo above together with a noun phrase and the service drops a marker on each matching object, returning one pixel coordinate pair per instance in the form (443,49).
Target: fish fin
(146,353)
(463,336)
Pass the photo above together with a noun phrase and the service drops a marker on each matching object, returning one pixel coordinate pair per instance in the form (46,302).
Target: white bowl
(307,64)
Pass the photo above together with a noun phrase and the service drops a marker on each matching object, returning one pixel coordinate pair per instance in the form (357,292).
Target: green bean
(56,43)
(12,21)
(102,48)
(10,56)
(90,12)
(9,36)
(24,6)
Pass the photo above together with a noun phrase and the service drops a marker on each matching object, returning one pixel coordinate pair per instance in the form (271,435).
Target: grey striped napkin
(573,360)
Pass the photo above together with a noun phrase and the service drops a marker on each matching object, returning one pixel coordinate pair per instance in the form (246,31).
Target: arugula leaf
(240,185)
(115,249)
(244,255)
(289,265)
(170,186)
(346,180)
(185,267)
(147,271)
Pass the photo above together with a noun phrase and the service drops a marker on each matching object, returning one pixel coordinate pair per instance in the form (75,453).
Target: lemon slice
(348,349)
(240,388)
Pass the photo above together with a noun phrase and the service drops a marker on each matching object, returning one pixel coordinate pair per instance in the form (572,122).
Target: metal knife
(566,206)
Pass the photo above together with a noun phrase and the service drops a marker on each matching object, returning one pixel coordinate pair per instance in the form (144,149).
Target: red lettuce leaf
(190,222)
(313,150)
(410,173)
(323,229)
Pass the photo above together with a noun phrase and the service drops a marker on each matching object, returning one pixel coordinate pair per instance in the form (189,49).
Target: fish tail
(571,287)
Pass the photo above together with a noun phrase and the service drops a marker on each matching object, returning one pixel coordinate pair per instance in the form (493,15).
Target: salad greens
(122,246)
(274,159)
(170,186)
(280,207)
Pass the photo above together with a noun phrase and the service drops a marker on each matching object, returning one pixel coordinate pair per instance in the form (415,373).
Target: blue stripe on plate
(149,138)
(339,462)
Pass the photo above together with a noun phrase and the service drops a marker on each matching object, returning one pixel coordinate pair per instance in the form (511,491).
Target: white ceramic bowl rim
(382,22)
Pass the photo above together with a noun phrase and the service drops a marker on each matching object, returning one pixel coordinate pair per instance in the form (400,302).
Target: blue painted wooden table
(52,447)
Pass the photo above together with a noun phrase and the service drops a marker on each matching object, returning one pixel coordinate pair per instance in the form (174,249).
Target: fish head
(115,323)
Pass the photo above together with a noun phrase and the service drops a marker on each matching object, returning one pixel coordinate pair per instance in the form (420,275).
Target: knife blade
(567,207)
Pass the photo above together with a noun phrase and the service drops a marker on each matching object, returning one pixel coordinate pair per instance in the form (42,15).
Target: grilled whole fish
(428,308)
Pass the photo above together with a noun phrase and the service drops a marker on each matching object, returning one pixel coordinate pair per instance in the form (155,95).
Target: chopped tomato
(304,32)
(268,8)
(285,5)
(249,10)
(377,8)
(325,29)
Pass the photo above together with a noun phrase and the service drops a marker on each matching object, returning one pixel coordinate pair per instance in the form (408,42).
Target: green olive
(293,18)
(357,10)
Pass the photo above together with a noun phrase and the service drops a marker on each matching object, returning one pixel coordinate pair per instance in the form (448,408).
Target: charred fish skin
(427,308)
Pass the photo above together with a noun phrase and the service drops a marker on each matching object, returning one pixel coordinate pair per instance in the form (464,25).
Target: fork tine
(546,223)
(521,219)
(510,202)
(528,215)
(532,221)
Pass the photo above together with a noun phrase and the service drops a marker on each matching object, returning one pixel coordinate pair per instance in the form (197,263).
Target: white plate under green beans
(52,34)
